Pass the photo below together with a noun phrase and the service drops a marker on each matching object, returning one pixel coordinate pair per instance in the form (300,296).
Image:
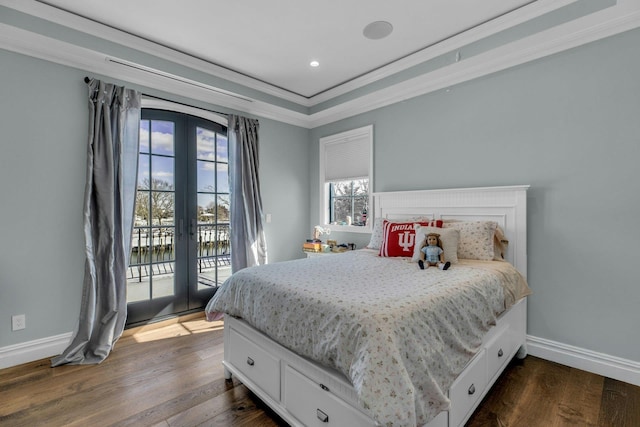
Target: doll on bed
(432,254)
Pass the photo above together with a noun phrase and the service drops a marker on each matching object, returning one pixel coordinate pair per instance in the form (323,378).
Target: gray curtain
(248,244)
(112,168)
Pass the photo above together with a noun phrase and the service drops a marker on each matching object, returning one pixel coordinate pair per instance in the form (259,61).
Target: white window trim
(366,131)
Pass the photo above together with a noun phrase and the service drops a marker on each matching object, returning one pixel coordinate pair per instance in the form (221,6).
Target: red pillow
(398,238)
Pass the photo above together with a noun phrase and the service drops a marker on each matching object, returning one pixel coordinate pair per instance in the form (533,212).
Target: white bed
(339,387)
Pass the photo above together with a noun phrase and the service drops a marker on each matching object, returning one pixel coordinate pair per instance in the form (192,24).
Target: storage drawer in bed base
(283,379)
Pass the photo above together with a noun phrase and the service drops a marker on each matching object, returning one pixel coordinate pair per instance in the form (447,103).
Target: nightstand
(315,254)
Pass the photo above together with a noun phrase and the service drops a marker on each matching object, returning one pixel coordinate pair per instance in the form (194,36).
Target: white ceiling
(274,41)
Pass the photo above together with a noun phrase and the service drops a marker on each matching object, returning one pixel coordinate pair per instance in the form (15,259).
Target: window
(345,179)
(348,202)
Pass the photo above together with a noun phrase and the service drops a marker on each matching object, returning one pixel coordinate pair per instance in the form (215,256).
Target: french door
(180,247)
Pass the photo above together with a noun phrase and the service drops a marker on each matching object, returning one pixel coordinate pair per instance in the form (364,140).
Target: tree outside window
(349,201)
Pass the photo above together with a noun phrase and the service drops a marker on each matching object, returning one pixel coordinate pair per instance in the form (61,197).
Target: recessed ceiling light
(314,64)
(377,30)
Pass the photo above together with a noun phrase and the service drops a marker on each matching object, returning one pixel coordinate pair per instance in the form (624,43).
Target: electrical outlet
(19,321)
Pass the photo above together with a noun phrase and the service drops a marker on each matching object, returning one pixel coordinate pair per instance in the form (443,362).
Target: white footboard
(304,393)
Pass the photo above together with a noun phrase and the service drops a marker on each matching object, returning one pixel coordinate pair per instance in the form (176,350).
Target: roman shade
(347,158)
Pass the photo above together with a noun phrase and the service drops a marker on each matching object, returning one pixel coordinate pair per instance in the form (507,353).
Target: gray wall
(568,125)
(43,122)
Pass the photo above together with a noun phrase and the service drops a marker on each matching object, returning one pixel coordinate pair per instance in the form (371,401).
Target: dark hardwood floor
(172,376)
(535,392)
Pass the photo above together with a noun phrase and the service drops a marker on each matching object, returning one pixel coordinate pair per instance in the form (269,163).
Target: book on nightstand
(311,246)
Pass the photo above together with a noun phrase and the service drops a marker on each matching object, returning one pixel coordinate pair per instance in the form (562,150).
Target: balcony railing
(153,251)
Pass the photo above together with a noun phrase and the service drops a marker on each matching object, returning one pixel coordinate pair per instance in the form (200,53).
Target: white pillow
(376,234)
(476,239)
(448,236)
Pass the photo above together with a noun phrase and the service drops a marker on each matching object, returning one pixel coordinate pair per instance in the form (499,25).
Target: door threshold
(161,323)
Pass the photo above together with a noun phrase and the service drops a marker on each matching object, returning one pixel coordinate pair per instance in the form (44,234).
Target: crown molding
(36,45)
(620,18)
(509,20)
(75,22)
(61,17)
(624,16)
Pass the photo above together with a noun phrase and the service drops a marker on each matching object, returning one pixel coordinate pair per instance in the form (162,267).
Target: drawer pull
(324,387)
(250,361)
(472,389)
(500,353)
(322,416)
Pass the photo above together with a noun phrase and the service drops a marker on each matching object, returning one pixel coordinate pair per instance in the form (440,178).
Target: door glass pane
(206,176)
(224,252)
(143,172)
(162,261)
(162,137)
(213,241)
(222,172)
(162,173)
(163,274)
(222,149)
(206,144)
(222,168)
(152,261)
(206,208)
(223,209)
(162,208)
(138,283)
(144,136)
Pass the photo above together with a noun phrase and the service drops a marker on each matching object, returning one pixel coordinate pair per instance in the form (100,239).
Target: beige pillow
(500,244)
(448,236)
(476,239)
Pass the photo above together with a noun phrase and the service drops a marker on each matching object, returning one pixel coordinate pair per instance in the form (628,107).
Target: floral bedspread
(400,334)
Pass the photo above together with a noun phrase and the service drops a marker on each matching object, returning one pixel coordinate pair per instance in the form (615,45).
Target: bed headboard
(505,205)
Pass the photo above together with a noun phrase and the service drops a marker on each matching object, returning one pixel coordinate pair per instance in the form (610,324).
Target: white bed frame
(304,393)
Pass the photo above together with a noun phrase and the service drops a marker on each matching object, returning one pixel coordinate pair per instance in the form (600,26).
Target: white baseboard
(575,357)
(18,354)
(586,360)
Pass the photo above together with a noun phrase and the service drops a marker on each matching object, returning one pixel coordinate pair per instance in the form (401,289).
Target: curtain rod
(88,79)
